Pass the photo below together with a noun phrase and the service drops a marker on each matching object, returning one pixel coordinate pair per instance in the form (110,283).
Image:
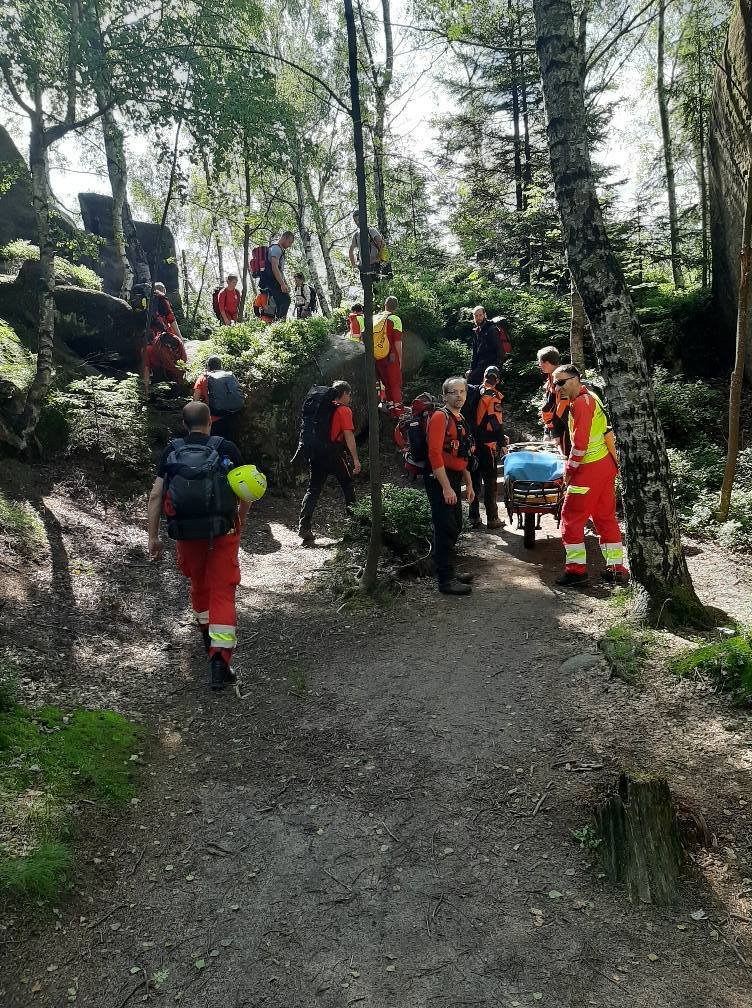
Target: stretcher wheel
(528,537)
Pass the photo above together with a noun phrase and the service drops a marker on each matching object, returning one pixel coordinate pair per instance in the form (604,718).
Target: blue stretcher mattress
(538,467)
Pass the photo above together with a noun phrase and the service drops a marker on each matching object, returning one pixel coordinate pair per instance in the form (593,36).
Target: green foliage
(16,363)
(697,474)
(625,645)
(586,837)
(275,353)
(102,417)
(419,308)
(686,408)
(48,761)
(406,518)
(73,274)
(728,662)
(447,358)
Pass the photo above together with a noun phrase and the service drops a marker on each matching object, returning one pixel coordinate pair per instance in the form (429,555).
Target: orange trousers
(214,573)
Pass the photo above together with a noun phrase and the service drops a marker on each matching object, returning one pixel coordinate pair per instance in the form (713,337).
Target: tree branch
(15,93)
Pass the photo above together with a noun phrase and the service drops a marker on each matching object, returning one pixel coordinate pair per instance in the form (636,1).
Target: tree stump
(641,847)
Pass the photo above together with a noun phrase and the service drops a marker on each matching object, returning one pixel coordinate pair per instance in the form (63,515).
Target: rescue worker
(340,461)
(487,426)
(161,316)
(389,368)
(555,410)
(210,564)
(222,423)
(589,475)
(449,448)
(357,322)
(162,359)
(485,345)
(272,279)
(228,301)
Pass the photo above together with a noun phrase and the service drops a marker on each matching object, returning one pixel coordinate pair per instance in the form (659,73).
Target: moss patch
(21,527)
(625,646)
(17,365)
(50,760)
(17,252)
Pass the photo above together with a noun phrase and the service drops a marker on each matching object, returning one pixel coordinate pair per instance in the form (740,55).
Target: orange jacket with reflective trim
(443,441)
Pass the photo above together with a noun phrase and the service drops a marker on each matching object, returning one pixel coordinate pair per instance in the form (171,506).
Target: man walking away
(449,447)
(590,476)
(228,301)
(205,518)
(487,426)
(376,248)
(220,391)
(389,368)
(273,277)
(327,437)
(485,344)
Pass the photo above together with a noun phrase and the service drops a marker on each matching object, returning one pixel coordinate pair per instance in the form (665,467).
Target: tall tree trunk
(41,197)
(369,576)
(527,168)
(382,82)
(737,375)
(118,172)
(186,284)
(576,327)
(663,587)
(668,153)
(702,181)
(519,189)
(305,237)
(213,222)
(314,203)
(246,226)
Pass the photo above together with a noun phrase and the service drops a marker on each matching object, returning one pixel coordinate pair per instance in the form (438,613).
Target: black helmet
(491,372)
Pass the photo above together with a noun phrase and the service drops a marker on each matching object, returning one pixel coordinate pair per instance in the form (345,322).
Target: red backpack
(411,434)
(259,258)
(502,325)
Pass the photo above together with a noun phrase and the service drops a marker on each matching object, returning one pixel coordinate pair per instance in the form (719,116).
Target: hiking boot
(220,672)
(476,521)
(496,522)
(207,639)
(306,535)
(615,575)
(572,579)
(463,578)
(454,587)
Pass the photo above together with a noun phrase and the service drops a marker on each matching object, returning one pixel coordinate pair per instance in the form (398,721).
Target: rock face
(96,211)
(17,218)
(727,154)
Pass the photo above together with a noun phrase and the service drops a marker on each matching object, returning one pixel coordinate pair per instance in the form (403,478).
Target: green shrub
(20,525)
(39,875)
(406,518)
(447,358)
(102,417)
(698,510)
(728,662)
(419,308)
(683,405)
(17,365)
(696,473)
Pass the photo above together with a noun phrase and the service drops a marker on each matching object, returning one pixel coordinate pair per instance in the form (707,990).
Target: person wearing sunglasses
(590,478)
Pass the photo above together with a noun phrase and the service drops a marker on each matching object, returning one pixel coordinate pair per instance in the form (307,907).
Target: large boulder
(727,155)
(17,219)
(269,426)
(96,212)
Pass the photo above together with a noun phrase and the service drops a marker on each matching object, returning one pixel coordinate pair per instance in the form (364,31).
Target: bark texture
(728,136)
(654,543)
(641,844)
(668,148)
(576,327)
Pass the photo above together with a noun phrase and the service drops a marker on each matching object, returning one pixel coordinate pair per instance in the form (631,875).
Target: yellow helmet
(247,482)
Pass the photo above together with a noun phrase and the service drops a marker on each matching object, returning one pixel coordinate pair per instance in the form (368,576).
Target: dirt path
(384,818)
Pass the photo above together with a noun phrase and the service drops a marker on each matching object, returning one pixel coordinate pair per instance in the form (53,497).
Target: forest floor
(384,815)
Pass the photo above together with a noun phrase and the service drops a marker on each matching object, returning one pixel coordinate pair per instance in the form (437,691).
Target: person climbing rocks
(205,518)
(304,297)
(389,368)
(487,426)
(161,316)
(163,359)
(555,411)
(220,390)
(376,248)
(327,439)
(357,322)
(485,344)
(590,476)
(272,281)
(449,449)
(228,300)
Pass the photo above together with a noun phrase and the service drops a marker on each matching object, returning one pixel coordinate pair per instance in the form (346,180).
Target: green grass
(727,662)
(406,519)
(49,761)
(625,646)
(20,525)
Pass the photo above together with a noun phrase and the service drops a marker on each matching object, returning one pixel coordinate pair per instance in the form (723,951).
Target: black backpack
(215,302)
(314,298)
(316,422)
(139,296)
(224,394)
(470,408)
(198,500)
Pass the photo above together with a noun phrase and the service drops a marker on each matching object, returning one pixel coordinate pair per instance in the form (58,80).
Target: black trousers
(484,481)
(281,301)
(447,524)
(319,472)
